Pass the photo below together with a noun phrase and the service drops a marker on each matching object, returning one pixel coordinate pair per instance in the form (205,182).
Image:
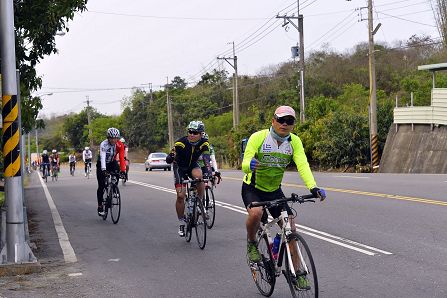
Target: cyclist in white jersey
(87,156)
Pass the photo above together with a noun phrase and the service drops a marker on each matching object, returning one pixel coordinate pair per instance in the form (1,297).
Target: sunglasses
(193,132)
(287,120)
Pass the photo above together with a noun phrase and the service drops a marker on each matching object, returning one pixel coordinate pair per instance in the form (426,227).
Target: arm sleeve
(169,158)
(205,148)
(102,156)
(83,155)
(300,159)
(214,162)
(251,149)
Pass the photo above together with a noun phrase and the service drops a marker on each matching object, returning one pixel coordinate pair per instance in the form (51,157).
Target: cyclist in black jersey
(184,156)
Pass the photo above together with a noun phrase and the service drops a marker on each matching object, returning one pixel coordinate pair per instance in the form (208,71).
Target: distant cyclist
(266,157)
(45,162)
(55,162)
(87,156)
(214,168)
(107,163)
(184,156)
(126,159)
(72,161)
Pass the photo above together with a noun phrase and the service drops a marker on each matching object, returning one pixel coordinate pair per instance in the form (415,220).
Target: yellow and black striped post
(11,136)
(374,154)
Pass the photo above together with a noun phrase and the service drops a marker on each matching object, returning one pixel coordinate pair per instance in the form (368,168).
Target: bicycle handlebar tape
(11,136)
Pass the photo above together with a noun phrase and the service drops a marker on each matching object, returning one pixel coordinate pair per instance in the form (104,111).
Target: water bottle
(275,246)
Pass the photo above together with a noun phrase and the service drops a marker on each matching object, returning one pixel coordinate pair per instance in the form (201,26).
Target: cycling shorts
(251,194)
(182,173)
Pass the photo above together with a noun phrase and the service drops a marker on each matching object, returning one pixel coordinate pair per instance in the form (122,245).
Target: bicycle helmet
(112,132)
(54,151)
(45,152)
(196,125)
(205,136)
(87,148)
(122,140)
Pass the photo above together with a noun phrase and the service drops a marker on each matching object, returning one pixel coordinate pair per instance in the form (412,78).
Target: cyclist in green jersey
(266,156)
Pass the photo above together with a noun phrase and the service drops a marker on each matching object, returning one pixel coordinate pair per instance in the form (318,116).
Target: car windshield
(158,155)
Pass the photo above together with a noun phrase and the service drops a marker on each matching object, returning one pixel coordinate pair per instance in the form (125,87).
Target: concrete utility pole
(299,27)
(235,86)
(372,91)
(16,249)
(90,133)
(170,124)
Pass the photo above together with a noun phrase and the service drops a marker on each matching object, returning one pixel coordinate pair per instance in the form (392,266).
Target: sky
(119,45)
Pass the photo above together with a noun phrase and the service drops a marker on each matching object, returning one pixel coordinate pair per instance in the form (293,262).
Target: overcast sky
(117,45)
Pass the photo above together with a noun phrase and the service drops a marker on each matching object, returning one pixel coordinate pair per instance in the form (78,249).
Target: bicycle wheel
(210,207)
(115,204)
(306,270)
(188,224)
(263,272)
(200,223)
(105,205)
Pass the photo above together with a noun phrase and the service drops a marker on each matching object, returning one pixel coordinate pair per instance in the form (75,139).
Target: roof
(433,67)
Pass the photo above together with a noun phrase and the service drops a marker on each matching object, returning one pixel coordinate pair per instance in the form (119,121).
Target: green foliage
(99,128)
(75,128)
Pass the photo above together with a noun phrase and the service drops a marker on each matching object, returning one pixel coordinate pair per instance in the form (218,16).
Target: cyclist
(214,169)
(266,157)
(184,156)
(45,162)
(107,162)
(126,159)
(72,161)
(87,158)
(54,160)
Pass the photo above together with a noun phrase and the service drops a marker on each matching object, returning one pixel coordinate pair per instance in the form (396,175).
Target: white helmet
(87,148)
(54,151)
(45,152)
(112,132)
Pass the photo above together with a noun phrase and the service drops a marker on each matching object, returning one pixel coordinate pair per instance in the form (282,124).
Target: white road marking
(74,274)
(341,241)
(114,260)
(67,249)
(353,177)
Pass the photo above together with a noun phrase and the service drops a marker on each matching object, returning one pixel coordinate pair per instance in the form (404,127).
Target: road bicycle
(72,169)
(45,171)
(126,176)
(54,172)
(89,170)
(194,213)
(111,198)
(292,249)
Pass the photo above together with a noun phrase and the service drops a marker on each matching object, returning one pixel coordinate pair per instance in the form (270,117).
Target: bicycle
(266,271)
(194,213)
(89,170)
(111,198)
(45,171)
(54,173)
(126,177)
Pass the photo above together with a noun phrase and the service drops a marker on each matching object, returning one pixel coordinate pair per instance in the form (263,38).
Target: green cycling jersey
(273,160)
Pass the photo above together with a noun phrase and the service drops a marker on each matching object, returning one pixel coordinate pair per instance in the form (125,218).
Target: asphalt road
(379,235)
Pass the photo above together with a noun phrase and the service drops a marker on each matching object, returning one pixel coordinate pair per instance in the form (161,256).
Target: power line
(396,17)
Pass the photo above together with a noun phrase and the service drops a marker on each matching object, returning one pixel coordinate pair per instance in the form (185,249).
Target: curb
(20,269)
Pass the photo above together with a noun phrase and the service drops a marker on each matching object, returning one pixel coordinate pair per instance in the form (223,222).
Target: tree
(36,24)
(75,128)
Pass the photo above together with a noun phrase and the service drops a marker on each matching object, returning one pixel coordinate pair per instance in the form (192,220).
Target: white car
(157,160)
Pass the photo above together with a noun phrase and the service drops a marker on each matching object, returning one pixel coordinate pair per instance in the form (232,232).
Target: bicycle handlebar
(183,181)
(293,198)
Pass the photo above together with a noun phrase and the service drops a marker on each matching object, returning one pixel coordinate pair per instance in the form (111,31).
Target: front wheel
(200,223)
(210,207)
(115,204)
(304,283)
(263,272)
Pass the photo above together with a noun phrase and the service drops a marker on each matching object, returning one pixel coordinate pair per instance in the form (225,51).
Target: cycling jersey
(187,154)
(45,158)
(108,152)
(273,160)
(72,158)
(87,154)
(54,158)
(212,159)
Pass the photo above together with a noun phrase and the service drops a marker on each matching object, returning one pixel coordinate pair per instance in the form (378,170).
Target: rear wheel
(115,206)
(105,208)
(306,270)
(200,223)
(263,272)
(210,207)
(188,224)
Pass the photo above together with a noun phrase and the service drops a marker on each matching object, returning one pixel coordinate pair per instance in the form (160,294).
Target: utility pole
(235,86)
(90,133)
(299,27)
(150,93)
(16,249)
(170,124)
(372,91)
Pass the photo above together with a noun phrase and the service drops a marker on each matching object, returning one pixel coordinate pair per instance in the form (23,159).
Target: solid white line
(352,177)
(302,229)
(67,249)
(74,274)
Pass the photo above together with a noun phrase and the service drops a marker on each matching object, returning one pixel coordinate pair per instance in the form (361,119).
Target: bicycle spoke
(263,272)
(200,223)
